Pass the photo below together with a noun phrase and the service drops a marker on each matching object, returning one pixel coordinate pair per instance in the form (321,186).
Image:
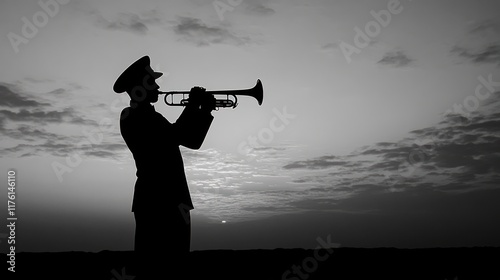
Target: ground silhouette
(293,264)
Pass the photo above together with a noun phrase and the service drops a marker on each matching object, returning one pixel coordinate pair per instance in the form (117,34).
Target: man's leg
(179,231)
(139,245)
(162,243)
(145,246)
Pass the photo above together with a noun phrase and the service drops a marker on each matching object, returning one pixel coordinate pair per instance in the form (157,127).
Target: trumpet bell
(259,92)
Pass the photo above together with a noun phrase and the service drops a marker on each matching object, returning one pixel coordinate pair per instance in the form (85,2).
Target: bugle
(255,92)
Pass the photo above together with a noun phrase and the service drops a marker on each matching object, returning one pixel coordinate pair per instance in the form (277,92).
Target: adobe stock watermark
(363,37)
(221,7)
(471,103)
(30,28)
(311,264)
(121,276)
(277,124)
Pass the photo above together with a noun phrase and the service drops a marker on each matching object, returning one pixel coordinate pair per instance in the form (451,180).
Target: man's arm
(192,127)
(193,124)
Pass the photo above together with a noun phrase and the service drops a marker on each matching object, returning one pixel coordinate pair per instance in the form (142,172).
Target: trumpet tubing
(256,92)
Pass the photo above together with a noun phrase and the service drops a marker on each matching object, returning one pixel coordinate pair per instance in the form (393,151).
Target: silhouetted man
(162,201)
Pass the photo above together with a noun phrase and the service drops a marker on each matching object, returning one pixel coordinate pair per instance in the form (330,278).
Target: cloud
(260,208)
(37,80)
(67,115)
(396,59)
(314,204)
(30,126)
(458,154)
(12,98)
(260,8)
(128,22)
(64,146)
(58,92)
(485,28)
(330,46)
(19,106)
(270,148)
(317,163)
(481,44)
(195,31)
(29,133)
(486,54)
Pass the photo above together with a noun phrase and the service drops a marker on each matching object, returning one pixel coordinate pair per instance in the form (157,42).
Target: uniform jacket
(154,143)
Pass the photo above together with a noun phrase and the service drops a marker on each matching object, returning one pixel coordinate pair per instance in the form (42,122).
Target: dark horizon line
(274,249)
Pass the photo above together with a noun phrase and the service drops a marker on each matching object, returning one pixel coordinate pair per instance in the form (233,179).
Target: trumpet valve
(224,103)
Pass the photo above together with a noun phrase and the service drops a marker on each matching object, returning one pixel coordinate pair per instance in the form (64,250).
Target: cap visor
(156,75)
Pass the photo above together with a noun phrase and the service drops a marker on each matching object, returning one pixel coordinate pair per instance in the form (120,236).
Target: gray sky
(379,124)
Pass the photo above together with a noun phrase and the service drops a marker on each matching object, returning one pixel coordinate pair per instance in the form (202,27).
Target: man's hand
(200,99)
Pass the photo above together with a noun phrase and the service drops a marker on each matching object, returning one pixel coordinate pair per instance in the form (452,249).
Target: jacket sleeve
(192,127)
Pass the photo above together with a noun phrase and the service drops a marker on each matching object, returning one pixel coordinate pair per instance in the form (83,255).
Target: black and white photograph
(250,139)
